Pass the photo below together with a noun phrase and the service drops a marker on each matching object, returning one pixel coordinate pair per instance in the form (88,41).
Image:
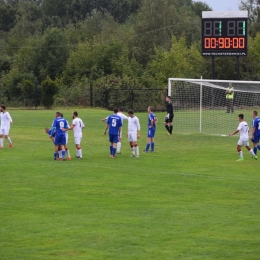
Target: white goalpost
(201,105)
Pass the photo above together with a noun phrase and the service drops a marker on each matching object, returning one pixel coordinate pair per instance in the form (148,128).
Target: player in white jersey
(133,133)
(6,121)
(77,126)
(123,117)
(243,129)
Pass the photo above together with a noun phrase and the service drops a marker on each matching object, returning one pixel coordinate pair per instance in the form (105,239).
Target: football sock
(152,146)
(167,128)
(255,150)
(111,149)
(9,140)
(1,141)
(68,152)
(240,154)
(170,129)
(132,149)
(55,155)
(118,145)
(252,152)
(60,154)
(80,152)
(147,147)
(137,150)
(77,152)
(258,146)
(63,153)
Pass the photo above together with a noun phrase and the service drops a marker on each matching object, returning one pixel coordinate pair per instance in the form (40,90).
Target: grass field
(189,199)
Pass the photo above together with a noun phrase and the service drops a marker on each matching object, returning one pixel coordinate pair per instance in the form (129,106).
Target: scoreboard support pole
(238,65)
(212,67)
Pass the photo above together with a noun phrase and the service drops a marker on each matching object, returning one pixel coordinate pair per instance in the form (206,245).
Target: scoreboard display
(224,33)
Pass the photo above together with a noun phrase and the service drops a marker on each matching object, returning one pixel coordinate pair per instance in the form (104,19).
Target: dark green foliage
(28,90)
(7,16)
(83,43)
(49,89)
(198,7)
(5,63)
(52,54)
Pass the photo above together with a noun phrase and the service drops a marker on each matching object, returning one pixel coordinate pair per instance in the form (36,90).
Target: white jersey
(243,130)
(6,120)
(133,124)
(66,133)
(77,127)
(123,116)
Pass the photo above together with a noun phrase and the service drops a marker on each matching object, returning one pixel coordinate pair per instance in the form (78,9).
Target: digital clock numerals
(224,43)
(233,28)
(212,28)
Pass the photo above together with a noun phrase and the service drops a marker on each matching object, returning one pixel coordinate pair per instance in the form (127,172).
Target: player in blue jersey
(152,120)
(60,139)
(255,136)
(67,138)
(114,123)
(50,133)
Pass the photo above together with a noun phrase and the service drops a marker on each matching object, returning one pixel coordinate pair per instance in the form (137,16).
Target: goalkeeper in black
(169,116)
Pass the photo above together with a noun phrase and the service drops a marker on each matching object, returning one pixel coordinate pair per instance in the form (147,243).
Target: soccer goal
(208,106)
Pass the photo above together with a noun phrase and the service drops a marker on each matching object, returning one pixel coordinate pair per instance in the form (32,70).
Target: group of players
(115,123)
(243,129)
(60,126)
(59,135)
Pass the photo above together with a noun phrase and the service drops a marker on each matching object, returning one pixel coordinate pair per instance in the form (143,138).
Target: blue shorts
(255,139)
(113,138)
(151,133)
(60,140)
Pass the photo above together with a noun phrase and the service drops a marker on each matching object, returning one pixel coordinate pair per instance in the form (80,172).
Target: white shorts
(4,131)
(243,142)
(132,136)
(77,140)
(67,138)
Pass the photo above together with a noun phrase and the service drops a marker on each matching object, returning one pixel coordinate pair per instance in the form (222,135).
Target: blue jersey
(114,122)
(51,132)
(151,117)
(58,124)
(256,125)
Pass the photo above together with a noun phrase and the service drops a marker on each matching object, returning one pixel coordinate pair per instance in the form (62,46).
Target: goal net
(202,106)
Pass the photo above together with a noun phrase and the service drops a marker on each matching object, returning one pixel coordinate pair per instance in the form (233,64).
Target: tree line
(59,51)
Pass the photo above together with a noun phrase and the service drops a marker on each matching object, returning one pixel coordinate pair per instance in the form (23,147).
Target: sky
(223,5)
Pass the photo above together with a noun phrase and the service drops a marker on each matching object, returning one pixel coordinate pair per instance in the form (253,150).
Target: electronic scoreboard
(224,33)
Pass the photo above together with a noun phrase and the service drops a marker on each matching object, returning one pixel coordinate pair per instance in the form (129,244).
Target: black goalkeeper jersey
(169,108)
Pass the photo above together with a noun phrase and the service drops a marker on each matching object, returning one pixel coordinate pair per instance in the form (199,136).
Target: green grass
(189,199)
(214,122)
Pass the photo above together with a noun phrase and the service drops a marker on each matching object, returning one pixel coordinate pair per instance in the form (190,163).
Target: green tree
(7,16)
(180,62)
(52,54)
(198,7)
(49,89)
(92,61)
(28,90)
(250,66)
(157,21)
(253,8)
